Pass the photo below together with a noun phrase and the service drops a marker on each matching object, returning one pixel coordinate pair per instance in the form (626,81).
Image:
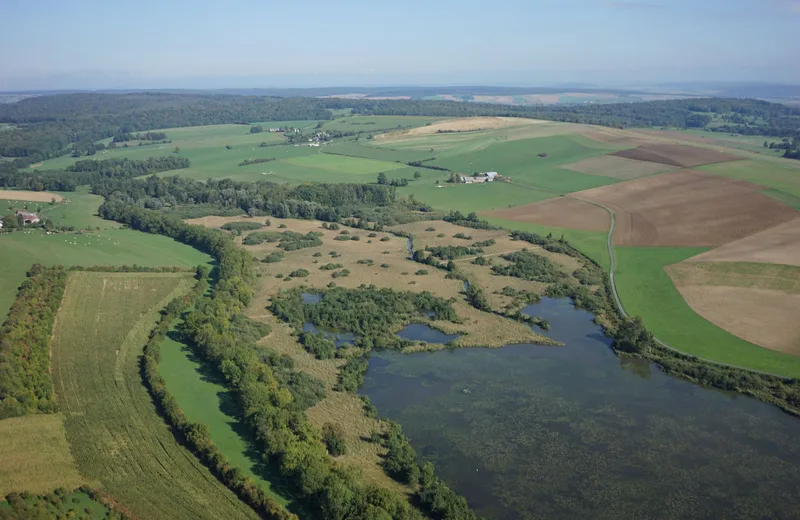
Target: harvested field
(35,455)
(688,208)
(119,441)
(618,167)
(467,124)
(33,196)
(561,212)
(756,302)
(777,245)
(682,156)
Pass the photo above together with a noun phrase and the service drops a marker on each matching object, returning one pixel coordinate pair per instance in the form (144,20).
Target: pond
(422,332)
(340,338)
(311,298)
(569,432)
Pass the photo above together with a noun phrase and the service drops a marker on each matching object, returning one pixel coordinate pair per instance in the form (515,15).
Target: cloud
(631,5)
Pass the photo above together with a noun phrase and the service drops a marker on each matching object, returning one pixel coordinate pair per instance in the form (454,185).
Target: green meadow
(375,123)
(20,250)
(647,291)
(204,399)
(781,176)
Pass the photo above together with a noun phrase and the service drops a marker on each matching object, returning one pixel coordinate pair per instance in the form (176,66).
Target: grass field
(355,149)
(591,243)
(35,455)
(647,291)
(20,250)
(69,505)
(119,441)
(202,395)
(374,123)
(465,197)
(344,165)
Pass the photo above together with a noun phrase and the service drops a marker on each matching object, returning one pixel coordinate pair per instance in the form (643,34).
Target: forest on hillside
(50,126)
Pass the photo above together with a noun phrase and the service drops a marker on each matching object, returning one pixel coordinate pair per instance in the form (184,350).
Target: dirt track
(688,208)
(560,212)
(683,156)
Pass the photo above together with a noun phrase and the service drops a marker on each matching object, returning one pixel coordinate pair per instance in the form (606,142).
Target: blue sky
(200,43)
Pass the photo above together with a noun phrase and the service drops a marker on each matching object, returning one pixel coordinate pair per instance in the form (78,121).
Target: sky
(54,44)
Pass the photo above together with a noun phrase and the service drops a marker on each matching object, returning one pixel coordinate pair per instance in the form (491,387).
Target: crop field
(781,176)
(618,167)
(646,290)
(36,455)
(115,433)
(682,156)
(20,250)
(203,397)
(756,302)
(688,208)
(776,245)
(562,211)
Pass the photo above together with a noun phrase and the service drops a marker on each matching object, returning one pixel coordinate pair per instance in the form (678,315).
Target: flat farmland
(116,435)
(36,455)
(646,290)
(561,211)
(756,302)
(343,164)
(688,208)
(465,197)
(369,124)
(776,245)
(353,149)
(520,161)
(76,209)
(20,250)
(682,156)
(781,176)
(618,167)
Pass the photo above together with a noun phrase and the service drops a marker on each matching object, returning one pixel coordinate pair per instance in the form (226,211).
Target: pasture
(77,209)
(203,397)
(36,455)
(755,302)
(646,290)
(115,433)
(370,124)
(561,211)
(20,250)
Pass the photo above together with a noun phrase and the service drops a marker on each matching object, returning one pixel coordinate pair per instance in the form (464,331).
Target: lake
(531,431)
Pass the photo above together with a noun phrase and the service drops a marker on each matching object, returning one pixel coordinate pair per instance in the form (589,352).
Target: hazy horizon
(247,44)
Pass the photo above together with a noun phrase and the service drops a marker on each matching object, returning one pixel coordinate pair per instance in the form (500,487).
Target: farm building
(27,217)
(480,178)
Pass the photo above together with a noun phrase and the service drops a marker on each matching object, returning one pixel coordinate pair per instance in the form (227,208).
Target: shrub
(238,227)
(355,237)
(341,274)
(274,257)
(421,272)
(317,254)
(385,266)
(282,226)
(440,235)
(484,243)
(430,229)
(366,261)
(462,236)
(372,235)
(385,239)
(299,273)
(331,267)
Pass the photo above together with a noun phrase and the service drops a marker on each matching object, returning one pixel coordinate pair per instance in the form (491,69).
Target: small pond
(340,338)
(422,332)
(535,432)
(311,298)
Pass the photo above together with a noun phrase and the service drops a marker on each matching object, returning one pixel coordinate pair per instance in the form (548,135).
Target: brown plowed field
(688,208)
(776,245)
(756,302)
(683,156)
(618,167)
(560,212)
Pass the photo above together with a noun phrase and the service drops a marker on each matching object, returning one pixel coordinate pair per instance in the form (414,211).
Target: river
(530,431)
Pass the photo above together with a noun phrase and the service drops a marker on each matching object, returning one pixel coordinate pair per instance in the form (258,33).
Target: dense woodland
(25,382)
(49,126)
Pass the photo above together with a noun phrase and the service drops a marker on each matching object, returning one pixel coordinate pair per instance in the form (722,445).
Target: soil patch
(33,196)
(618,167)
(776,245)
(559,212)
(683,156)
(688,208)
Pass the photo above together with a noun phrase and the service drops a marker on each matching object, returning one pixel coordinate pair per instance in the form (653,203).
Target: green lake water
(575,432)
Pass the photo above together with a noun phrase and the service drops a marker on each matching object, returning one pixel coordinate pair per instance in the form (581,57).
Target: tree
(417,175)
(382,178)
(177,149)
(333,437)
(256,129)
(9,222)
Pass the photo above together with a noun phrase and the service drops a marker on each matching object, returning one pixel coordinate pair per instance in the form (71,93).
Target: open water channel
(529,431)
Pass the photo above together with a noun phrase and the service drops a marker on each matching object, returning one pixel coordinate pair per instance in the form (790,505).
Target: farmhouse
(479,178)
(28,218)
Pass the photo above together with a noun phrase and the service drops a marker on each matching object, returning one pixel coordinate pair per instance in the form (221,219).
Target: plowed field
(618,167)
(777,245)
(688,208)
(683,156)
(561,212)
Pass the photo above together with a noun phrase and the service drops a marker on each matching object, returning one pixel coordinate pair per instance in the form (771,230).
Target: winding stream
(569,432)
